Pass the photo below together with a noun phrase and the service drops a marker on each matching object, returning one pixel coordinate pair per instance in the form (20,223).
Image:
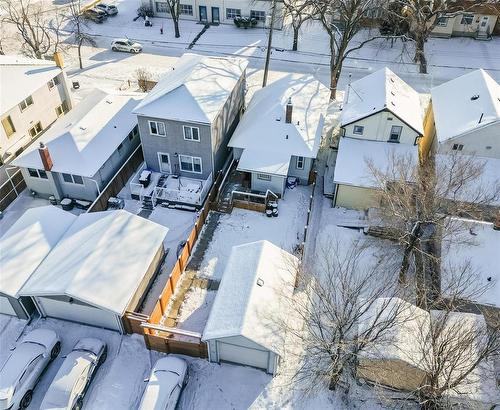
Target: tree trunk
(295,38)
(176,27)
(80,54)
(334,381)
(420,54)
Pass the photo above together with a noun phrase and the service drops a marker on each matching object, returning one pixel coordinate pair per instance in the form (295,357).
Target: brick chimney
(289,111)
(58,59)
(45,157)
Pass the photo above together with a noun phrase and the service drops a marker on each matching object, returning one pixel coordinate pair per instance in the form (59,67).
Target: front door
(484,23)
(164,161)
(215,15)
(203,13)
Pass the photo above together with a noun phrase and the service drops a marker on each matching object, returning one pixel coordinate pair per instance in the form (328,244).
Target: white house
(244,323)
(34,93)
(99,269)
(83,150)
(467,115)
(23,247)
(382,117)
(280,132)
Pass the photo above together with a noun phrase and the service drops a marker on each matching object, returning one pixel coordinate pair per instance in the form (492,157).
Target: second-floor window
(300,163)
(186,9)
(52,83)
(395,133)
(457,147)
(35,130)
(62,109)
(191,133)
(157,128)
(190,164)
(8,126)
(26,103)
(72,179)
(232,13)
(467,19)
(37,173)
(358,129)
(258,15)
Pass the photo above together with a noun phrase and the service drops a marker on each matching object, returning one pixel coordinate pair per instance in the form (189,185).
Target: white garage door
(6,307)
(78,313)
(243,355)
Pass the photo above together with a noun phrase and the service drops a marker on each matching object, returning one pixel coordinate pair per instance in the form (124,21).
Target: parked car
(24,367)
(96,15)
(109,9)
(75,375)
(167,379)
(124,44)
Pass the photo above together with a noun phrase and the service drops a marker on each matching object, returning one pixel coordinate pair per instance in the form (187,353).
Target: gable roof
(21,76)
(264,131)
(82,141)
(457,110)
(195,90)
(101,260)
(26,244)
(383,91)
(241,306)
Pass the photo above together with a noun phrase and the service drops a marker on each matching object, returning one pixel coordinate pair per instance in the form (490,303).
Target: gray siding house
(186,121)
(79,155)
(280,132)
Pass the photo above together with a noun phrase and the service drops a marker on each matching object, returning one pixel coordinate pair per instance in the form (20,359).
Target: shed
(244,324)
(23,247)
(100,269)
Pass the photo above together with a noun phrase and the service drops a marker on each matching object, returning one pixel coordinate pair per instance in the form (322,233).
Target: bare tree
(340,290)
(174,7)
(32,24)
(299,12)
(79,23)
(144,78)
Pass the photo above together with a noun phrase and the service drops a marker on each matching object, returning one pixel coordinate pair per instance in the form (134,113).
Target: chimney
(45,157)
(289,110)
(496,224)
(58,59)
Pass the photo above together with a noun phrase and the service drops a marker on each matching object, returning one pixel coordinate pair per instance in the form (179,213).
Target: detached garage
(244,323)
(99,269)
(23,247)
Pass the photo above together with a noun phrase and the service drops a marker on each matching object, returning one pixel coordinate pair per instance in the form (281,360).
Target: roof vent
(109,101)
(82,128)
(286,136)
(474,97)
(278,118)
(260,282)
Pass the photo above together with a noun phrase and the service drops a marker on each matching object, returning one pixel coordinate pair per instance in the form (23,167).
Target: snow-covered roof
(263,131)
(465,103)
(399,341)
(355,155)
(251,301)
(379,91)
(21,76)
(25,245)
(195,90)
(83,140)
(477,243)
(101,260)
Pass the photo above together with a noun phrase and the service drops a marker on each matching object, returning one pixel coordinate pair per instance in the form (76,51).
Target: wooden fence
(11,189)
(309,210)
(118,181)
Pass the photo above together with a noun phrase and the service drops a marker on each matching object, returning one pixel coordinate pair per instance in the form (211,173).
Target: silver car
(124,44)
(74,376)
(109,9)
(24,367)
(168,378)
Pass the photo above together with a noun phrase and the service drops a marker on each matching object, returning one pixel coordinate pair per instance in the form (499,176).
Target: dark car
(109,9)
(96,15)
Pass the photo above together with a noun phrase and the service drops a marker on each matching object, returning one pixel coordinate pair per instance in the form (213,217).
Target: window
(72,179)
(186,9)
(8,126)
(442,21)
(191,133)
(133,133)
(467,19)
(300,163)
(35,130)
(457,147)
(62,109)
(264,177)
(162,7)
(120,147)
(26,103)
(358,129)
(52,83)
(157,128)
(395,133)
(190,164)
(258,15)
(232,13)
(37,173)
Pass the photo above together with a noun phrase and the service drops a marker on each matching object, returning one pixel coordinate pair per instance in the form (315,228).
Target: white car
(124,44)
(74,376)
(25,366)
(168,378)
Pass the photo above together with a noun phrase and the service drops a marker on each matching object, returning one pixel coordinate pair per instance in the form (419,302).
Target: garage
(242,327)
(99,269)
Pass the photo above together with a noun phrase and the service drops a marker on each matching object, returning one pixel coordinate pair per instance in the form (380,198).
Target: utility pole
(269,44)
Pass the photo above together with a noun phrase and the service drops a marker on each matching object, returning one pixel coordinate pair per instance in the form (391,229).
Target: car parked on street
(24,367)
(124,44)
(75,375)
(96,15)
(165,384)
(109,9)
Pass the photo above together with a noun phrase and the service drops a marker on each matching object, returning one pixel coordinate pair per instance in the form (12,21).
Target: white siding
(476,142)
(276,184)
(5,306)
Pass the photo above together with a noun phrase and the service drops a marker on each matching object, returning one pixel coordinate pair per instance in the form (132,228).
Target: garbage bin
(67,204)
(52,200)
